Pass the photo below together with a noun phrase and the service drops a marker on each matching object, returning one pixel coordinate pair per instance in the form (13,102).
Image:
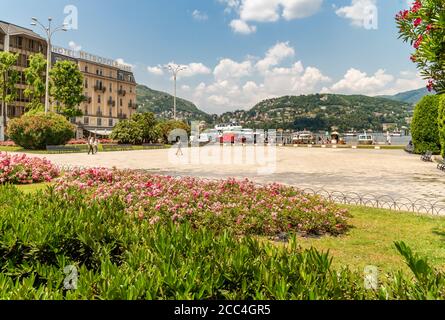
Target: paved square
(379,172)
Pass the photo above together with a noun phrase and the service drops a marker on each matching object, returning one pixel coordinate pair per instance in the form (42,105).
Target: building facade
(109,87)
(24,42)
(109,90)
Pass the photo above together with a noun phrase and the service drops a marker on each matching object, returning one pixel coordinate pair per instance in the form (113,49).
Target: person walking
(95,145)
(179,145)
(90,145)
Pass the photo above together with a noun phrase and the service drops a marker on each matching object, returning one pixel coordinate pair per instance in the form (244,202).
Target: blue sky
(239,52)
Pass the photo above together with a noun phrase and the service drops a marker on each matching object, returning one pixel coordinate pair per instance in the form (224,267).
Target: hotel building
(109,90)
(109,87)
(25,42)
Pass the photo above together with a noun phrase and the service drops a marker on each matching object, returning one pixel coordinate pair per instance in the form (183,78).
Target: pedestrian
(90,145)
(179,145)
(95,145)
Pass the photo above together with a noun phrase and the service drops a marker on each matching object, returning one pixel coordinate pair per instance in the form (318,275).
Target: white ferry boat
(365,139)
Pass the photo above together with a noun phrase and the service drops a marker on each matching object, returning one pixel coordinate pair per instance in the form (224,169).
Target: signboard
(90,57)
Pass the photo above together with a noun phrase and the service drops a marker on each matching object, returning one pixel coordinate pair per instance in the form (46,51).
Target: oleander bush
(118,257)
(21,169)
(35,131)
(425,127)
(240,206)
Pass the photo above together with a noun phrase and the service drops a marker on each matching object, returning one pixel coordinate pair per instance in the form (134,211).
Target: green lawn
(29,188)
(371,240)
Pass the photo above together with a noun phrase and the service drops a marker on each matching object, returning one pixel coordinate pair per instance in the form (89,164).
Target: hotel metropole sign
(90,57)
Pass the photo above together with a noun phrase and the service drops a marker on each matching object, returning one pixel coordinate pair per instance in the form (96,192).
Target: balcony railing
(99,113)
(122,116)
(122,92)
(132,105)
(100,88)
(87,99)
(111,103)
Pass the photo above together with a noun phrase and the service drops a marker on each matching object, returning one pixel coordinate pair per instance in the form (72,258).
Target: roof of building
(13,29)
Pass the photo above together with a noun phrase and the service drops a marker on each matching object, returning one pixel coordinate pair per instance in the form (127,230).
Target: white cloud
(155,70)
(361,13)
(240,26)
(74,46)
(185,88)
(199,16)
(276,55)
(356,81)
(268,11)
(194,69)
(228,68)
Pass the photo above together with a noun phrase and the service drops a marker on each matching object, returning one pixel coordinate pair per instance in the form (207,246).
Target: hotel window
(86,69)
(86,120)
(110,122)
(98,98)
(19,42)
(120,102)
(99,122)
(111,88)
(86,83)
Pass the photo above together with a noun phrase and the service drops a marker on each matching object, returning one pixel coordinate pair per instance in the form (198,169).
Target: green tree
(442,123)
(140,128)
(67,88)
(8,80)
(35,79)
(423,26)
(148,125)
(425,128)
(165,127)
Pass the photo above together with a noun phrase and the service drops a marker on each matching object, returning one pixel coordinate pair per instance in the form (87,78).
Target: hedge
(425,128)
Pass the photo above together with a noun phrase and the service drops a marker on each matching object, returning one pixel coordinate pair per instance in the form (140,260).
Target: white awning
(100,132)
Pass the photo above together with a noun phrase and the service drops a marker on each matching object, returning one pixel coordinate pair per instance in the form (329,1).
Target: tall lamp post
(175,69)
(49,33)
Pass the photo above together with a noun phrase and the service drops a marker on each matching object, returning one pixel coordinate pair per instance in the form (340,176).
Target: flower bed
(7,144)
(84,141)
(21,169)
(240,206)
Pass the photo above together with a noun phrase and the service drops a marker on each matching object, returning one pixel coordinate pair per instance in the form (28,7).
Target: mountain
(319,112)
(161,104)
(413,96)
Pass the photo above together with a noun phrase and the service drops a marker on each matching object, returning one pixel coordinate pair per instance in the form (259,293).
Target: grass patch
(371,240)
(32,188)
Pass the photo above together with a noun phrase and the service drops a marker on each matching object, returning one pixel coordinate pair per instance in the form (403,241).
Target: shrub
(425,129)
(240,206)
(21,169)
(38,130)
(118,257)
(442,123)
(139,129)
(166,127)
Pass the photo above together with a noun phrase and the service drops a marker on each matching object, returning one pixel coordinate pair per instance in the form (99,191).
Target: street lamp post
(49,33)
(175,69)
